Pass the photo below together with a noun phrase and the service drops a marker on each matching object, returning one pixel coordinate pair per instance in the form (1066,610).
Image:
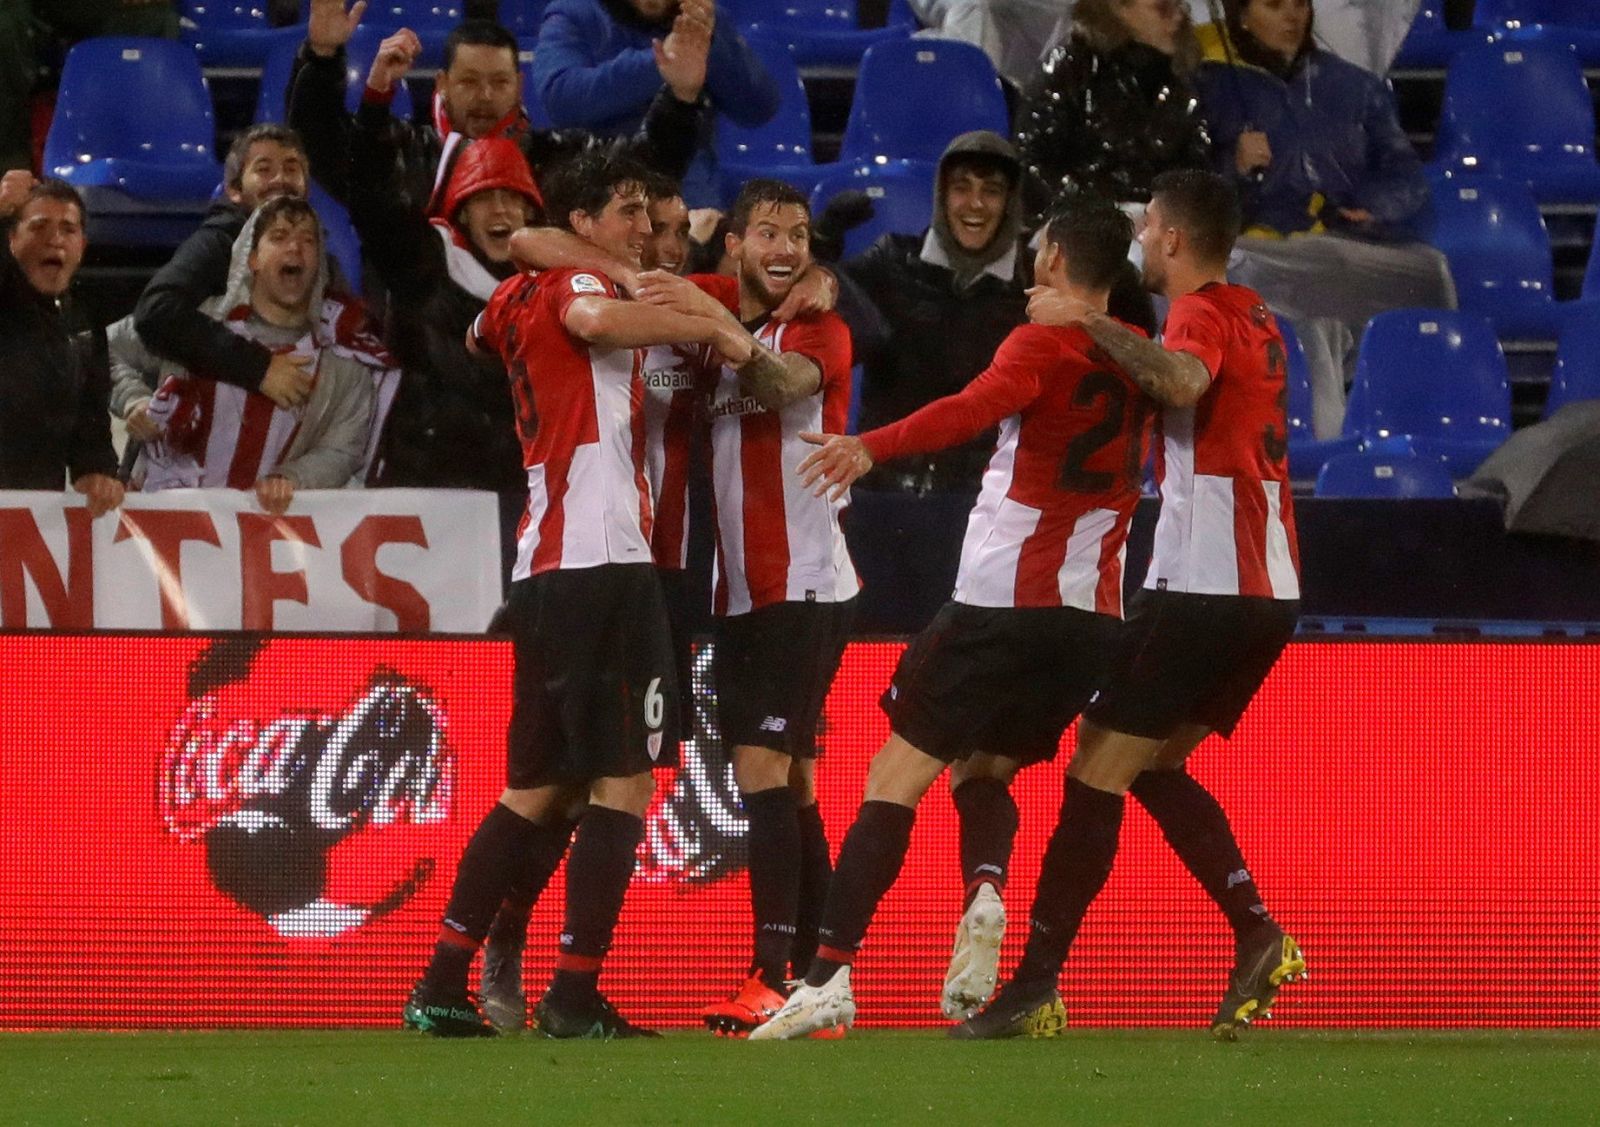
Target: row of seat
(1572,24)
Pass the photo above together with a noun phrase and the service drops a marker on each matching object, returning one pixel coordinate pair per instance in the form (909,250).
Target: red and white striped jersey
(1050,525)
(580,415)
(1227,514)
(776,542)
(217,435)
(673,375)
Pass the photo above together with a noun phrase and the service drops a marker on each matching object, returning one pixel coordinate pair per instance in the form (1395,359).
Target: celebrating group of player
(612,395)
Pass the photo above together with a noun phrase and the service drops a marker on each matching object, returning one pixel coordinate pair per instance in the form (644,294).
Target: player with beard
(594,692)
(785,588)
(671,375)
(1218,606)
(1007,665)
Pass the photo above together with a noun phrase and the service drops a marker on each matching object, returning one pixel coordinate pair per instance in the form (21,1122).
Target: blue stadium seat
(521,17)
(432,20)
(1430,43)
(820,32)
(234,33)
(1437,377)
(1574,24)
(780,149)
(1307,453)
(363,45)
(901,194)
(1577,371)
(133,132)
(343,242)
(1521,110)
(1374,474)
(914,96)
(1491,231)
(1591,276)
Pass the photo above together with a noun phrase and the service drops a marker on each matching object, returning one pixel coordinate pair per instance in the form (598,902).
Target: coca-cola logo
(269,796)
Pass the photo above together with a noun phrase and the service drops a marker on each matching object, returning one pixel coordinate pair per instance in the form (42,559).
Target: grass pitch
(1271,1077)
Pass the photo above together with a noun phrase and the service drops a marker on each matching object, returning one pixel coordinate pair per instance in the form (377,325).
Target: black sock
(599,869)
(1196,827)
(501,839)
(774,879)
(539,864)
(869,861)
(1076,864)
(816,867)
(988,816)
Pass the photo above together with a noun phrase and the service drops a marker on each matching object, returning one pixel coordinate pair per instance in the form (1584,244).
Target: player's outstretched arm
(841,459)
(612,323)
(551,248)
(775,379)
(1175,379)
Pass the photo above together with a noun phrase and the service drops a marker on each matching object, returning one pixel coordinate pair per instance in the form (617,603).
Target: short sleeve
(1194,326)
(721,287)
(489,328)
(567,286)
(825,341)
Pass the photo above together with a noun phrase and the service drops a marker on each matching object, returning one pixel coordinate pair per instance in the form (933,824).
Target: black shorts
(680,594)
(1192,659)
(595,691)
(1001,680)
(773,667)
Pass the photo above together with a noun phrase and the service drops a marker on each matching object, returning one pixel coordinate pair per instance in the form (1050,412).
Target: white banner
(209,559)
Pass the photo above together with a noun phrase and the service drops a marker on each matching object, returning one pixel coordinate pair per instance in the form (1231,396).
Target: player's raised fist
(331,25)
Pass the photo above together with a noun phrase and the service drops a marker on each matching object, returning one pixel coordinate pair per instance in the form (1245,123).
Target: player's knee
(630,795)
(901,773)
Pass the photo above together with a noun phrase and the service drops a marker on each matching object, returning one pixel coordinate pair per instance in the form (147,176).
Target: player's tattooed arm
(776,380)
(1176,379)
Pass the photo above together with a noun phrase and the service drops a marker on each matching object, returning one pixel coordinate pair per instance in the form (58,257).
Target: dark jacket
(55,384)
(1336,142)
(665,137)
(168,318)
(1110,122)
(453,423)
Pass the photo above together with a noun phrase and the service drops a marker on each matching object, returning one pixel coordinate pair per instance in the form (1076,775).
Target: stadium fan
(264,162)
(1113,107)
(1013,33)
(53,365)
(594,690)
(1219,604)
(453,425)
(478,94)
(1330,184)
(211,434)
(599,64)
(1001,671)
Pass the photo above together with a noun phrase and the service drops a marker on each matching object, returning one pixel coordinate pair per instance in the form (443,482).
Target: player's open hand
(104,493)
(1047,306)
(394,60)
(839,461)
(275,492)
(663,288)
(816,291)
(330,26)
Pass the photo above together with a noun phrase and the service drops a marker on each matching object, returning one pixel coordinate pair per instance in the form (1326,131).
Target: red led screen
(215,832)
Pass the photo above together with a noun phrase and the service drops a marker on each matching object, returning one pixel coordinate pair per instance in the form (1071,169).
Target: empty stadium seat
(1591,276)
(272,96)
(432,20)
(1430,43)
(133,132)
(1437,377)
(1521,110)
(233,33)
(1307,453)
(820,32)
(1577,371)
(780,149)
(914,96)
(1491,231)
(1374,474)
(1574,24)
(521,17)
(901,194)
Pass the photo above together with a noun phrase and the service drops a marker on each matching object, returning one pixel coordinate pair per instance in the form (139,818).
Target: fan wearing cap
(452,425)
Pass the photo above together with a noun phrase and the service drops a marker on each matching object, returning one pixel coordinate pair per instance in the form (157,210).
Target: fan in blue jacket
(595,68)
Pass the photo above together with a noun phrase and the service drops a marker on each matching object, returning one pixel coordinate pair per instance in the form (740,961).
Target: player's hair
(764,193)
(1093,235)
(239,151)
(1204,207)
(478,33)
(587,182)
(49,189)
(291,209)
(660,186)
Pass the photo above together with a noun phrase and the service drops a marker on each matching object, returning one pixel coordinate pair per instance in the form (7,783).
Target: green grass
(1272,1077)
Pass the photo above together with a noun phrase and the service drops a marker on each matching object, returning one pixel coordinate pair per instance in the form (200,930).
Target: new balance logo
(1242,876)
(773,724)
